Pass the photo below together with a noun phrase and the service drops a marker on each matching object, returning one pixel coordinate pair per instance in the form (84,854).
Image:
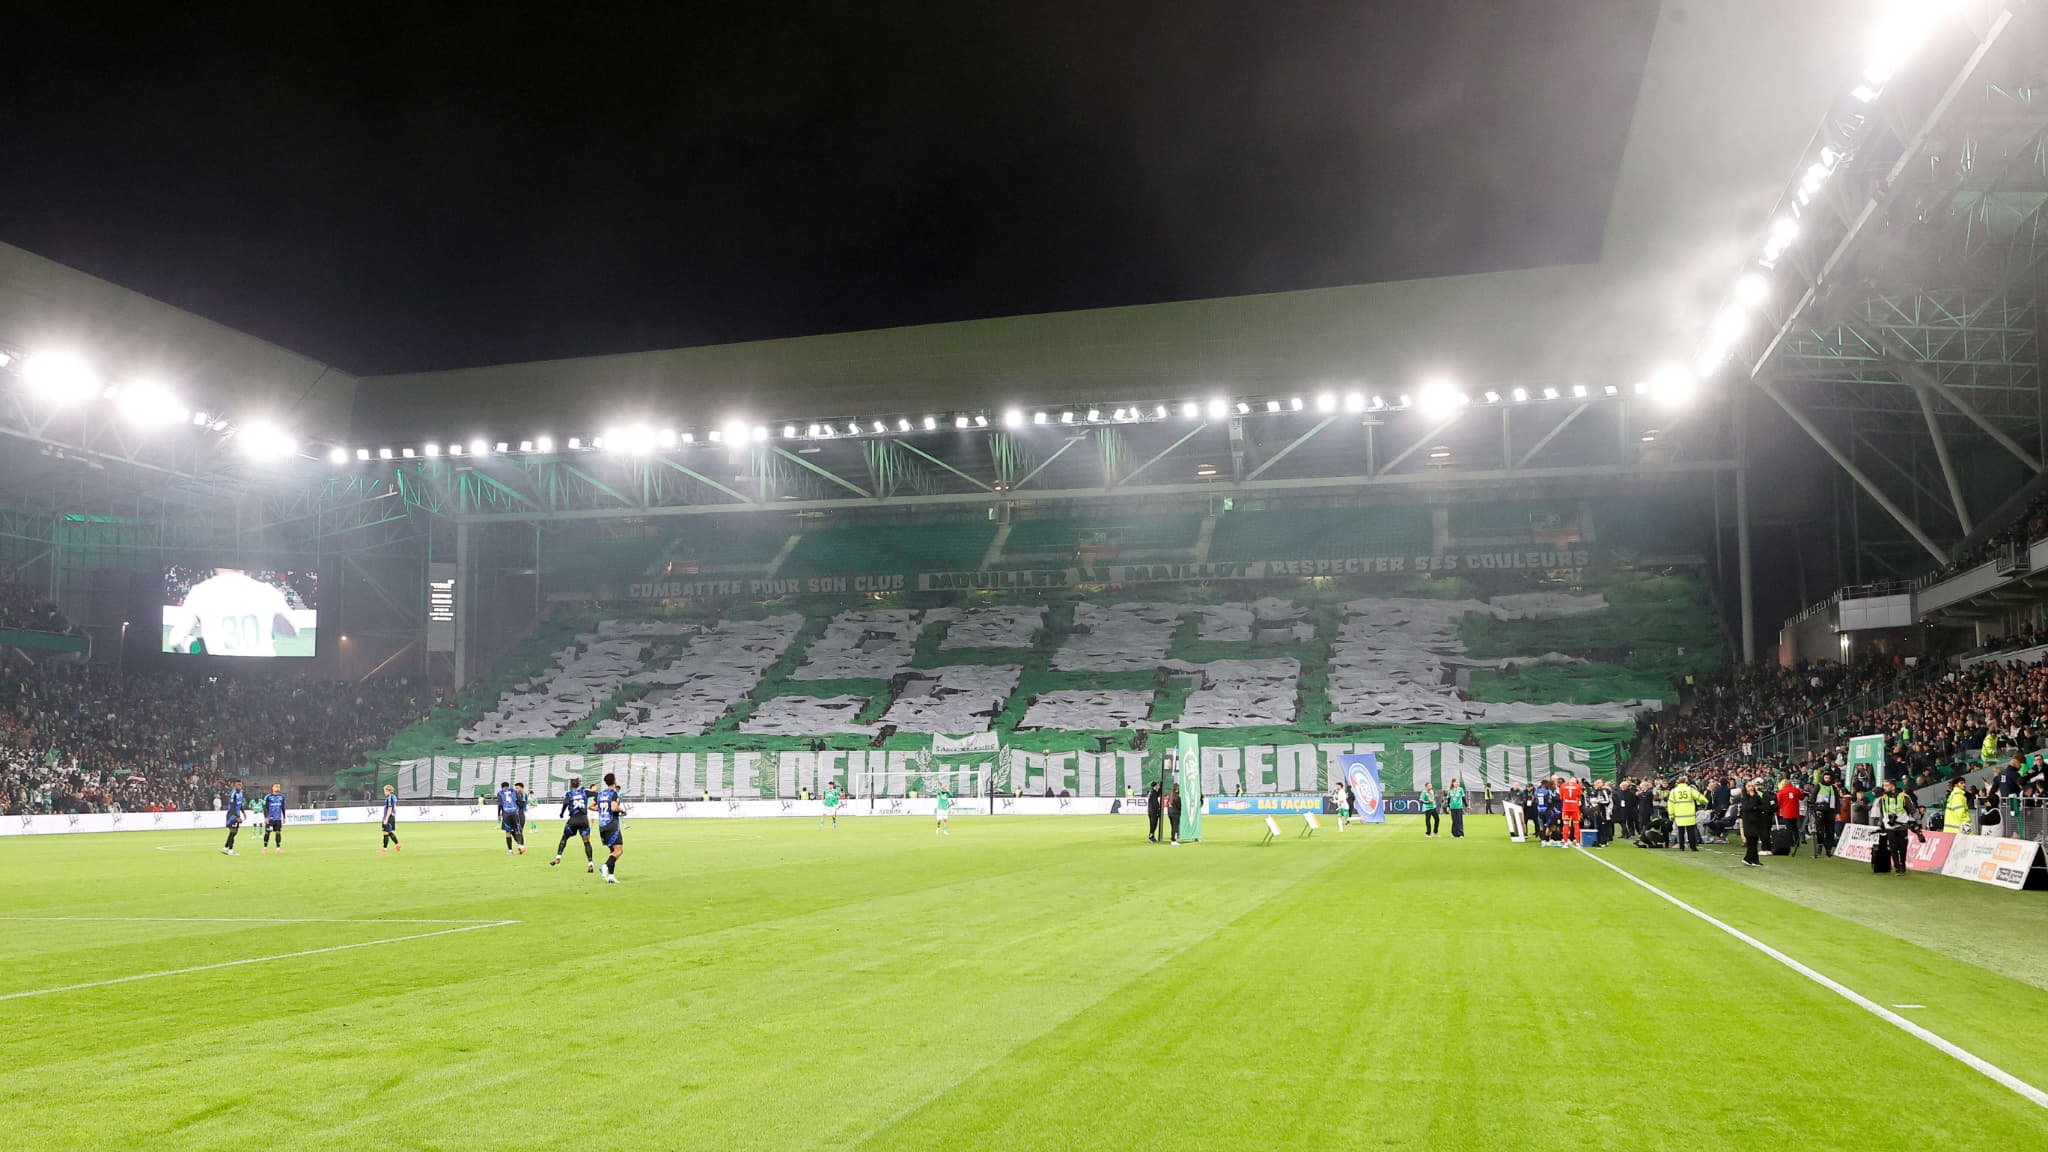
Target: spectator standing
(1789,796)
(1429,816)
(1455,798)
(1755,816)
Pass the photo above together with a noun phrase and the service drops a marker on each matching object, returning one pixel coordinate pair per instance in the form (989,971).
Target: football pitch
(1049,983)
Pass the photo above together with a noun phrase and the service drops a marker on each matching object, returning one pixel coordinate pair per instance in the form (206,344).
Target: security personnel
(1989,752)
(1684,806)
(1957,813)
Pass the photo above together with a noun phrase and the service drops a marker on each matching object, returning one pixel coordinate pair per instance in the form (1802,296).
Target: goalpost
(963,778)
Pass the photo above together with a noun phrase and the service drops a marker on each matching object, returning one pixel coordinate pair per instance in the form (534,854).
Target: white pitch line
(250,920)
(1844,991)
(251,960)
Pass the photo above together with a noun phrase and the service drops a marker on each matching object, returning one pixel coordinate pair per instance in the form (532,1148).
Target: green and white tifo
(1024,983)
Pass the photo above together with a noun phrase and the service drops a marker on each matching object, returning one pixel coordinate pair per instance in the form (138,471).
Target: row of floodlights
(1904,28)
(63,379)
(1436,400)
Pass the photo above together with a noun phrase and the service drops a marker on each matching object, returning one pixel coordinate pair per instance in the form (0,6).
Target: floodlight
(1159,413)
(1217,409)
(980,421)
(735,430)
(1038,417)
(960,423)
(813,430)
(435,449)
(688,437)
(1354,402)
(903,424)
(760,432)
(1094,414)
(1439,399)
(362,453)
(406,452)
(1578,391)
(60,377)
(1066,417)
(1013,419)
(789,431)
(1492,397)
(337,455)
(1271,406)
(545,444)
(479,448)
(265,440)
(880,427)
(149,402)
(1244,409)
(575,444)
(1611,390)
(852,429)
(1326,402)
(1521,395)
(1752,289)
(1294,404)
(526,445)
(383,453)
(1377,402)
(1673,386)
(1190,410)
(456,449)
(1550,393)
(201,419)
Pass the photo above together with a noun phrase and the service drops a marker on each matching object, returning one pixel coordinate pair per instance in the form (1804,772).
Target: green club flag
(1188,762)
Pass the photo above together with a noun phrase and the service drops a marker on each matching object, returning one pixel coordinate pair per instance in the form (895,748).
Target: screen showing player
(240,611)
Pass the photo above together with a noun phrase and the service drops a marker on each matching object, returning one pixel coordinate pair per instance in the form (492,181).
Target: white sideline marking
(255,959)
(1844,991)
(251,920)
(1909,1005)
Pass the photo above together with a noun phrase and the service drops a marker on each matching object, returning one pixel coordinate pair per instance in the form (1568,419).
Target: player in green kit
(831,805)
(945,809)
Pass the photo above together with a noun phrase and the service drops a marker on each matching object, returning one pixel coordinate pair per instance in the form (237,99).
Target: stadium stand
(23,608)
(93,739)
(1246,534)
(934,546)
(1066,537)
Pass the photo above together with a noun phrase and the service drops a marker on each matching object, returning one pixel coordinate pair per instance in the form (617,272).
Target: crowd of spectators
(1936,728)
(1744,705)
(83,738)
(21,607)
(2029,526)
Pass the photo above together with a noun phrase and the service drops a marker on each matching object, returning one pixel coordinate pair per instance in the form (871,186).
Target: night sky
(391,189)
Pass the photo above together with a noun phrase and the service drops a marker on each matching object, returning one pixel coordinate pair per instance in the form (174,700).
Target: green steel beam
(1163,454)
(827,473)
(915,450)
(1297,442)
(1446,482)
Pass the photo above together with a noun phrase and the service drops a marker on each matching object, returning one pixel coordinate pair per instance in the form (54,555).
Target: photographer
(1827,805)
(1894,813)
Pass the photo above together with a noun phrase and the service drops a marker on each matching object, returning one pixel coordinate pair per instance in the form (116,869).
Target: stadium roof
(1729,97)
(1730,92)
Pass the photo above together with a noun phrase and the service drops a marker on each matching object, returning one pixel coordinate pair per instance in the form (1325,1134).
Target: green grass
(1023,984)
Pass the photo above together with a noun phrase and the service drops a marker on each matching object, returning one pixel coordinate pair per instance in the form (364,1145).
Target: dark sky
(393,188)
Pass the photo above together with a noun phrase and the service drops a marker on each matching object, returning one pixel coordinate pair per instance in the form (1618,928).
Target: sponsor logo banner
(1263,805)
(1856,842)
(1996,860)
